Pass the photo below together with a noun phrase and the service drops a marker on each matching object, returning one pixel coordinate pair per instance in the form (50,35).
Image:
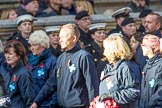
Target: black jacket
(96,51)
(18,36)
(151,87)
(19,85)
(122,83)
(77,82)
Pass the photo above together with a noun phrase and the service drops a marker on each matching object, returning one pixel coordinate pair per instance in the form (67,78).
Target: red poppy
(14,78)
(107,103)
(41,65)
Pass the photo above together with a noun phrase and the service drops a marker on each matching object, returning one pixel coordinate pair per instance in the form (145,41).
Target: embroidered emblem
(40,72)
(109,83)
(152,82)
(12,86)
(72,68)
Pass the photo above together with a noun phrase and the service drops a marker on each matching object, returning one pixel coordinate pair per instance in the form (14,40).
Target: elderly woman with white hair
(42,63)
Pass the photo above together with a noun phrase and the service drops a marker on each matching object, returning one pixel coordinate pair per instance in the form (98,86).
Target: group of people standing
(68,66)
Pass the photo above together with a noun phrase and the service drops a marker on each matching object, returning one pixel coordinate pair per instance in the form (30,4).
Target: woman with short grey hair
(41,63)
(39,37)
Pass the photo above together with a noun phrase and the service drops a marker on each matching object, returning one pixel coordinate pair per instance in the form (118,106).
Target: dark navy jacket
(18,36)
(2,86)
(55,51)
(96,51)
(141,60)
(19,85)
(141,29)
(151,87)
(118,29)
(157,33)
(121,83)
(2,58)
(85,38)
(41,67)
(77,82)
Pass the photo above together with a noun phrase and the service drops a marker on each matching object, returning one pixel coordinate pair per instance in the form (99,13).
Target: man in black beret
(142,16)
(128,28)
(32,7)
(119,16)
(83,22)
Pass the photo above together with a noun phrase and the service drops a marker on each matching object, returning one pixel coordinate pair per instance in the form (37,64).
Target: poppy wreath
(109,103)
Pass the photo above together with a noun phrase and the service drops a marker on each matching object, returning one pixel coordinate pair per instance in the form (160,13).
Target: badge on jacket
(12,85)
(109,83)
(40,72)
(152,83)
(72,68)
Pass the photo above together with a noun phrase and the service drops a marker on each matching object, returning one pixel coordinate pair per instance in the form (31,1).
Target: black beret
(28,1)
(81,15)
(127,21)
(144,13)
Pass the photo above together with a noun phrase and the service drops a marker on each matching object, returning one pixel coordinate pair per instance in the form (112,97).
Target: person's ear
(75,39)
(19,28)
(92,35)
(158,25)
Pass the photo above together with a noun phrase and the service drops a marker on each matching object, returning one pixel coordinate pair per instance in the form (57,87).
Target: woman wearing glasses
(151,87)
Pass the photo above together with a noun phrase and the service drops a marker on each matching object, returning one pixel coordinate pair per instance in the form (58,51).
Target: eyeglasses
(153,38)
(142,45)
(85,19)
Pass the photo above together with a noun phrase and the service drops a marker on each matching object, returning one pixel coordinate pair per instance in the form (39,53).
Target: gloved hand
(104,97)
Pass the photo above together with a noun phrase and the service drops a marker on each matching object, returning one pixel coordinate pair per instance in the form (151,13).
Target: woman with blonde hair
(84,5)
(8,14)
(160,45)
(120,81)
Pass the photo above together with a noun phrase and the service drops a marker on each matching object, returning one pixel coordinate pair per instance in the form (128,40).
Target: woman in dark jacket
(17,78)
(135,44)
(120,81)
(42,63)
(151,87)
(53,34)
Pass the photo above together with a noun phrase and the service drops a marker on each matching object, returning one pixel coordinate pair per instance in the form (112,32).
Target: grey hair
(40,37)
